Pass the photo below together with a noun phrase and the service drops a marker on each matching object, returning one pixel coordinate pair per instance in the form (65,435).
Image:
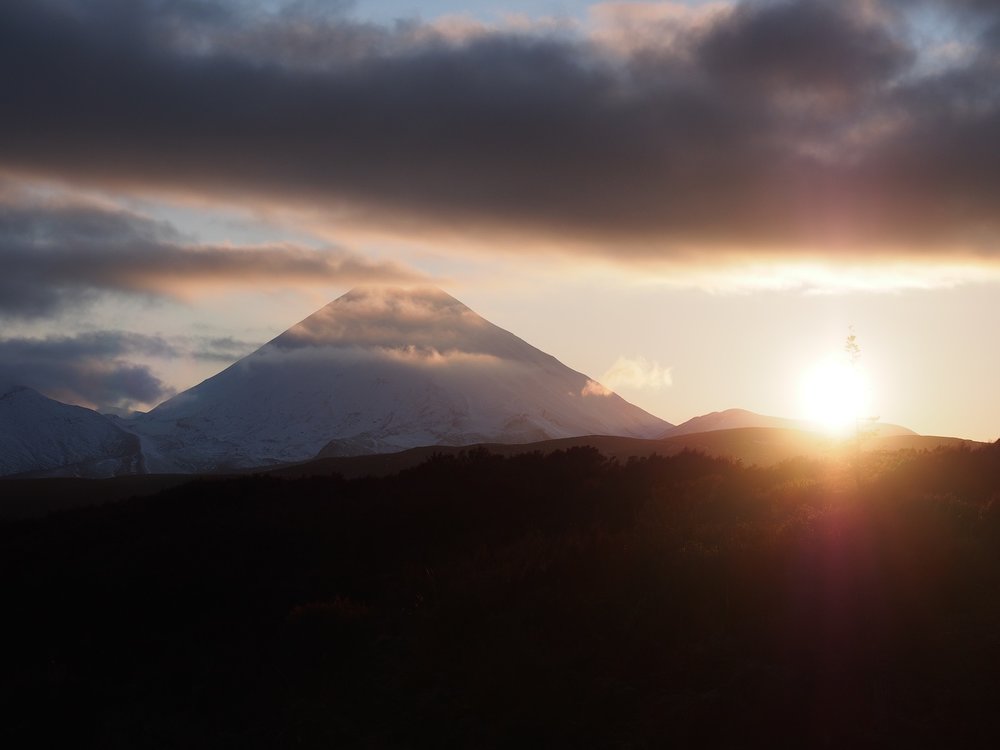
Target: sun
(835,394)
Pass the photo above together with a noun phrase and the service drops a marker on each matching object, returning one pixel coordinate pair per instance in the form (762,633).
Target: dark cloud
(812,48)
(57,255)
(89,369)
(98,368)
(780,126)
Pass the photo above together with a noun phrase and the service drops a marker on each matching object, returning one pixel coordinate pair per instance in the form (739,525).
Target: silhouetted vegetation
(533,601)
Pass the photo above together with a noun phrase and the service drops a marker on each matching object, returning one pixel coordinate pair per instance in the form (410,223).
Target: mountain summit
(41,436)
(380,370)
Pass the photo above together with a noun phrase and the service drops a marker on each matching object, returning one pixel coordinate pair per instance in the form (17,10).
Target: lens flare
(834,395)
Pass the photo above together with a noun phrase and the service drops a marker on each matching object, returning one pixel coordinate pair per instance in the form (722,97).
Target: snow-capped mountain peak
(381,369)
(42,436)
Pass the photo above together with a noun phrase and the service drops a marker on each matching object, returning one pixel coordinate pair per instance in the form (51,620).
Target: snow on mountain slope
(380,370)
(46,437)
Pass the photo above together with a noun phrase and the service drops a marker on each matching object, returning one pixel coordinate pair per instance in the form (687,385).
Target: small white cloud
(593,388)
(637,372)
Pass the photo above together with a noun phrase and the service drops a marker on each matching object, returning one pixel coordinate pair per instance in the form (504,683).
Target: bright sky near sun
(691,202)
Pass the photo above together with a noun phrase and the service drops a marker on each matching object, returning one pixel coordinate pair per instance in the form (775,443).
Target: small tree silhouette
(852,348)
(853,351)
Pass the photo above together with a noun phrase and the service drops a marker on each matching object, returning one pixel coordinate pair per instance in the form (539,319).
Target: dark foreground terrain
(480,601)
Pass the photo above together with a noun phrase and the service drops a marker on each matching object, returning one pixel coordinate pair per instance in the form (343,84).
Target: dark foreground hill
(561,600)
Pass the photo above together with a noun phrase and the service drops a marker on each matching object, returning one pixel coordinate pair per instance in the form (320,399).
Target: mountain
(732,419)
(729,419)
(380,370)
(44,437)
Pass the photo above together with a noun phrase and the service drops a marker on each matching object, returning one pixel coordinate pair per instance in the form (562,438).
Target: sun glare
(834,395)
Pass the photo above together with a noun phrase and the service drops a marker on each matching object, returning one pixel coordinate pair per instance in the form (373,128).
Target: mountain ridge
(730,419)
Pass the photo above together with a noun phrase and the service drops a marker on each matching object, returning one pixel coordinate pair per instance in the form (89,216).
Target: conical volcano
(380,370)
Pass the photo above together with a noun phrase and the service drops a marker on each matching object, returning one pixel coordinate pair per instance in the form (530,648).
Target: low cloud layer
(419,318)
(98,369)
(794,128)
(59,255)
(90,369)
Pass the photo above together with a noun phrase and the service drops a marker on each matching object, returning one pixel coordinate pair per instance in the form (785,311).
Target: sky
(690,202)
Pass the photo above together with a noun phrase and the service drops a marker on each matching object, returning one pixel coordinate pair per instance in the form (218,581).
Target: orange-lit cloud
(593,388)
(625,27)
(636,372)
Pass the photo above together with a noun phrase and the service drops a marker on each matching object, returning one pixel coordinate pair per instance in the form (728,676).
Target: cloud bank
(92,370)
(58,255)
(789,128)
(97,369)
